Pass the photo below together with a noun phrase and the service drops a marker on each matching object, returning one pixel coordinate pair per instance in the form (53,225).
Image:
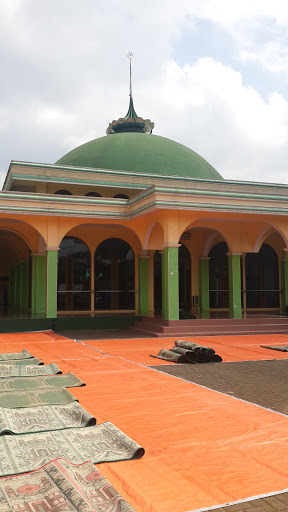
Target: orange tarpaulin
(203,448)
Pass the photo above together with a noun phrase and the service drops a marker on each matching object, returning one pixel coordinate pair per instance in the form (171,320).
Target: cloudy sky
(211,74)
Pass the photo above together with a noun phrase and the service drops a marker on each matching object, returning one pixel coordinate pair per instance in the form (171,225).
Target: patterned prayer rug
(35,398)
(43,419)
(101,443)
(32,360)
(10,370)
(15,355)
(54,381)
(61,486)
(281,348)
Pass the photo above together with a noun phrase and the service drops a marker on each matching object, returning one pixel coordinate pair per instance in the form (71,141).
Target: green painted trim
(29,177)
(170,299)
(51,291)
(143,286)
(234,273)
(204,299)
(38,285)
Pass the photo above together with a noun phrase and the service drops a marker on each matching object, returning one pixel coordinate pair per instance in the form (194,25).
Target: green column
(51,288)
(11,293)
(18,280)
(204,302)
(24,287)
(38,284)
(143,285)
(170,298)
(234,272)
(284,284)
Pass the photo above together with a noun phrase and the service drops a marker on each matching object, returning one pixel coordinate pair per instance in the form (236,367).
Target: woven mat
(77,488)
(68,380)
(32,360)
(15,355)
(43,419)
(281,348)
(101,443)
(35,398)
(10,370)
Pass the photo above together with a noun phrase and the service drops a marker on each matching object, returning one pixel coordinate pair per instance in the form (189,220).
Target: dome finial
(131,122)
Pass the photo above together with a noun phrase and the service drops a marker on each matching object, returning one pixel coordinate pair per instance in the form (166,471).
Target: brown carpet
(260,382)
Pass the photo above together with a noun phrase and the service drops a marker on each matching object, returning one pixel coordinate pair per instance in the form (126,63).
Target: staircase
(156,327)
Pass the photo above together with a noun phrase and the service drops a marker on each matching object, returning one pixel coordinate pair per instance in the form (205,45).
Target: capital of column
(52,249)
(170,245)
(38,254)
(234,253)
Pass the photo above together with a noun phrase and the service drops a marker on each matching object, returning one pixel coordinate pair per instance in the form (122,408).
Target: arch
(114,270)
(154,238)
(63,192)
(74,271)
(93,194)
(262,278)
(265,234)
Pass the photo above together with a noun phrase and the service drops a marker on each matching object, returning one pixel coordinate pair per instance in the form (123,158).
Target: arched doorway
(114,275)
(184,273)
(218,277)
(262,279)
(15,275)
(73,288)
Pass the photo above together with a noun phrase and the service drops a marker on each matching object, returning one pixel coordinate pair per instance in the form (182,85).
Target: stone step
(206,332)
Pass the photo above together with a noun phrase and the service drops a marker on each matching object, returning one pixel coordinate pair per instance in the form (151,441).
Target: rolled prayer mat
(167,355)
(214,359)
(194,347)
(192,357)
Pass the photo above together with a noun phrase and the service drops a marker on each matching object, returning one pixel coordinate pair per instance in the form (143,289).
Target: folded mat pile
(281,348)
(60,485)
(188,352)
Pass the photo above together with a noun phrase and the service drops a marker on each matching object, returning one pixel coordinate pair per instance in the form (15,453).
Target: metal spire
(131,110)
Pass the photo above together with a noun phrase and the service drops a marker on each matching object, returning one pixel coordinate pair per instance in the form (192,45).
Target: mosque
(137,224)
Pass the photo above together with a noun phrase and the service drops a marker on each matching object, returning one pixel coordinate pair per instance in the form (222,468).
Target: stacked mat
(46,423)
(187,352)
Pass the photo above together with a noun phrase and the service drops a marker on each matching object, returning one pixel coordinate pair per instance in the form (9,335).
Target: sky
(211,74)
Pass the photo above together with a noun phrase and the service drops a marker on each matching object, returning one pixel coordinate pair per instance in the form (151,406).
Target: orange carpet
(202,448)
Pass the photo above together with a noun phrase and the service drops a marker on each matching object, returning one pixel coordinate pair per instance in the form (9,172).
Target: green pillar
(284,284)
(18,288)
(170,298)
(143,285)
(11,293)
(234,272)
(204,302)
(24,287)
(38,284)
(51,289)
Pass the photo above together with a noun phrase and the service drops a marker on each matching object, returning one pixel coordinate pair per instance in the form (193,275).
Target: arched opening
(114,265)
(121,196)
(63,192)
(184,273)
(218,276)
(15,275)
(93,194)
(74,283)
(262,279)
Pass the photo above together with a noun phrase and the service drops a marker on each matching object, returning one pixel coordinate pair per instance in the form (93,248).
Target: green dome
(140,153)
